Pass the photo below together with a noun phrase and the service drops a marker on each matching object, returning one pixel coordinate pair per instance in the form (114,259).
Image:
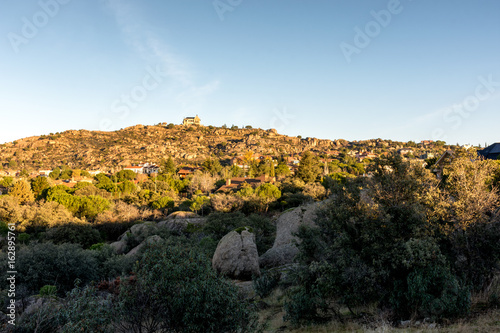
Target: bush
(76,233)
(176,290)
(431,292)
(49,264)
(266,282)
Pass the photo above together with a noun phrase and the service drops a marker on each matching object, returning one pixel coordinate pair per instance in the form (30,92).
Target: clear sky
(401,70)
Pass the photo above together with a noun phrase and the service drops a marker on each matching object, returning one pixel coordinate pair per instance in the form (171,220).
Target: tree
(267,193)
(225,202)
(162,203)
(176,290)
(56,172)
(282,170)
(7,181)
(202,181)
(309,168)
(169,166)
(212,166)
(376,242)
(22,191)
(39,184)
(199,203)
(124,175)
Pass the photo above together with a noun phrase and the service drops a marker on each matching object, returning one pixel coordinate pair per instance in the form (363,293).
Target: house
(44,172)
(188,121)
(234,184)
(95,172)
(491,152)
(135,168)
(150,168)
(185,171)
(405,151)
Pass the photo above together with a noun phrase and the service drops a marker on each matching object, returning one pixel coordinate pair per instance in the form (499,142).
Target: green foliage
(82,234)
(48,291)
(23,238)
(56,172)
(266,282)
(49,264)
(212,166)
(163,203)
(7,181)
(21,190)
(309,168)
(384,240)
(431,292)
(105,183)
(126,186)
(177,290)
(124,175)
(282,170)
(220,224)
(85,311)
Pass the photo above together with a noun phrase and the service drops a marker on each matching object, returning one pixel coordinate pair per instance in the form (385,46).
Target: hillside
(186,144)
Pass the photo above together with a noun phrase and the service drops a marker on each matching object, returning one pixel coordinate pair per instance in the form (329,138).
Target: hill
(186,144)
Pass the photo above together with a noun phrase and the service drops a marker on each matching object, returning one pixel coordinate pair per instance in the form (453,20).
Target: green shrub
(83,234)
(266,282)
(49,264)
(431,292)
(48,291)
(177,290)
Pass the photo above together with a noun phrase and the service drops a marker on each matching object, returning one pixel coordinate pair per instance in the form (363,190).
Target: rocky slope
(113,150)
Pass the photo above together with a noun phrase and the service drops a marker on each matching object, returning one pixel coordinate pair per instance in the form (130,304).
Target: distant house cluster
(145,168)
(188,121)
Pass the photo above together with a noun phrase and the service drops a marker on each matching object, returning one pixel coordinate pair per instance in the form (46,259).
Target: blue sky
(401,70)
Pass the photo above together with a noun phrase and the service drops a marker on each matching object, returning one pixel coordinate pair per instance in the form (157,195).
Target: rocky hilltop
(186,144)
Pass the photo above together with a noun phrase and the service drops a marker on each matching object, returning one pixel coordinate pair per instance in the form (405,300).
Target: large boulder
(284,248)
(236,256)
(179,221)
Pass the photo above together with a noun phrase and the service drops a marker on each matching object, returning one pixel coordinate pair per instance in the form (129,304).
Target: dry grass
(480,321)
(486,323)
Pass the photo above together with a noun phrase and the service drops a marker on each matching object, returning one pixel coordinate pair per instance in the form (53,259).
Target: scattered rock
(236,256)
(150,240)
(119,246)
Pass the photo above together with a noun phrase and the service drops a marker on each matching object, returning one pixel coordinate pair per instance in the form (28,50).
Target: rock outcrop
(138,231)
(150,240)
(284,249)
(236,256)
(179,221)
